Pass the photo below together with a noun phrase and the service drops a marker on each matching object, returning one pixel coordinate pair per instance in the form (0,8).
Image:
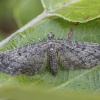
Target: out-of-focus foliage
(16,13)
(38,94)
(27,10)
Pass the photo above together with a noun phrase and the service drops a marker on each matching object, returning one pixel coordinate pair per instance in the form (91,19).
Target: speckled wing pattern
(33,58)
(76,54)
(24,60)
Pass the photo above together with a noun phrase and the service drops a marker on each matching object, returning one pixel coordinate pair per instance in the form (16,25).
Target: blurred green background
(16,13)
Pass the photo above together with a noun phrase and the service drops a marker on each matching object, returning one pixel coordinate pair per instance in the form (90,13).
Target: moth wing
(74,54)
(28,59)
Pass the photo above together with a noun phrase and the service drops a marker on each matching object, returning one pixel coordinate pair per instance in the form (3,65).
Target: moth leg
(52,58)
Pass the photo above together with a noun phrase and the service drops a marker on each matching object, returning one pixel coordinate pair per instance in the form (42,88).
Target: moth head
(50,36)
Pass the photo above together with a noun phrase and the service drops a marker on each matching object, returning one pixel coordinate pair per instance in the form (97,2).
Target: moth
(33,58)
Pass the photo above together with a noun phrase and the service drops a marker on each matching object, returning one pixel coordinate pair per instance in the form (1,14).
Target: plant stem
(34,21)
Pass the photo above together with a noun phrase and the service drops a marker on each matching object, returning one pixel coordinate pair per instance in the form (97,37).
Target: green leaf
(80,80)
(73,10)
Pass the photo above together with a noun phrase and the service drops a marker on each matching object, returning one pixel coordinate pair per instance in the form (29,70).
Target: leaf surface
(80,80)
(73,10)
